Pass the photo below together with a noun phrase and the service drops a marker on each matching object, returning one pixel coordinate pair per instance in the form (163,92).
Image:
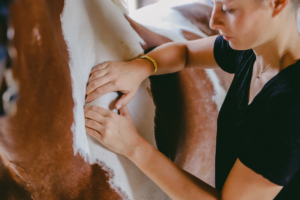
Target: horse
(44,150)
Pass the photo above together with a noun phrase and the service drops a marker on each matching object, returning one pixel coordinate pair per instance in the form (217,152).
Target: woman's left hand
(114,131)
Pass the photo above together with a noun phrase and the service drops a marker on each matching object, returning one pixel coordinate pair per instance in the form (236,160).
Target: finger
(96,83)
(125,112)
(102,111)
(95,134)
(107,88)
(98,74)
(94,125)
(93,115)
(100,66)
(124,100)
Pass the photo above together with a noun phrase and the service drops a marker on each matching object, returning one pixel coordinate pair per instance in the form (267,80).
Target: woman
(258,137)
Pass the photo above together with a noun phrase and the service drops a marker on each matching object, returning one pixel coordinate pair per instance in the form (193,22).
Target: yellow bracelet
(153,62)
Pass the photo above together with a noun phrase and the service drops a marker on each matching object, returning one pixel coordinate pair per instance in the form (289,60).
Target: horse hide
(97,31)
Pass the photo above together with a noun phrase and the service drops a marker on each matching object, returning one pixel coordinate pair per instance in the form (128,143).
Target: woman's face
(247,22)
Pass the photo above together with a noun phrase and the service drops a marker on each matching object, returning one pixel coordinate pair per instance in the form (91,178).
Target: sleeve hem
(266,175)
(216,54)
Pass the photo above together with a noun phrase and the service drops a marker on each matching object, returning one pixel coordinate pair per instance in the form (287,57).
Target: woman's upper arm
(213,52)
(244,184)
(200,53)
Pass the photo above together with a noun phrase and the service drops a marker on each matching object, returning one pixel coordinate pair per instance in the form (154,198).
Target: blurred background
(135,4)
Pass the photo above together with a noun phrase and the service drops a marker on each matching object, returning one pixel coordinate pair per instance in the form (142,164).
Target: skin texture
(36,143)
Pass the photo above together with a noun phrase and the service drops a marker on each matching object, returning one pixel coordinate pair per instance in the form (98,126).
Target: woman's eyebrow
(222,1)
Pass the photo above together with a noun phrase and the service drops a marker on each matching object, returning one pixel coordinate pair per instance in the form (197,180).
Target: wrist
(146,67)
(141,153)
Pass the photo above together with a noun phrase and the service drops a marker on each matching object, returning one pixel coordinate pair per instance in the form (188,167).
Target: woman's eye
(228,11)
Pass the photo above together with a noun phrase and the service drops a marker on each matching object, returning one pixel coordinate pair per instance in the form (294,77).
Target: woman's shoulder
(290,82)
(286,82)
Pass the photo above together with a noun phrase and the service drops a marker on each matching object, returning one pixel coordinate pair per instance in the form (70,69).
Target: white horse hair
(96,31)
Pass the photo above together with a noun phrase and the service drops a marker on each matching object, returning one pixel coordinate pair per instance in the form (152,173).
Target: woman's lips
(226,38)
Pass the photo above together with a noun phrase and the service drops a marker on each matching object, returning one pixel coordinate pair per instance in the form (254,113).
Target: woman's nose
(215,21)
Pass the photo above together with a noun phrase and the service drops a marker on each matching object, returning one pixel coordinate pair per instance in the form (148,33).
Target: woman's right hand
(113,76)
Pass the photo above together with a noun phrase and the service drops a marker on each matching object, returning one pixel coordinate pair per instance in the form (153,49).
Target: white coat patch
(97,31)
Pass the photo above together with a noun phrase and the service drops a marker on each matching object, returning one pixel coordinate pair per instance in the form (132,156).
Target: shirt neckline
(249,77)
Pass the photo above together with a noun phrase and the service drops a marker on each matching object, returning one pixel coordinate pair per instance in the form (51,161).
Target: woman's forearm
(175,56)
(177,183)
(170,57)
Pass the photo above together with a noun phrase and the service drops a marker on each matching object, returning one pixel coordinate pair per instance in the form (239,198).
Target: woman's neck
(280,52)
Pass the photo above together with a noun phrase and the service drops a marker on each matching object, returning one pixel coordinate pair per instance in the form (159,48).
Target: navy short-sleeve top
(264,135)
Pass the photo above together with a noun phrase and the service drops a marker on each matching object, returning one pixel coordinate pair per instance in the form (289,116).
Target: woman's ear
(279,5)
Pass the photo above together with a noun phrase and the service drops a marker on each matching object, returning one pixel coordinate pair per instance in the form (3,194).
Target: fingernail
(118,106)
(86,100)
